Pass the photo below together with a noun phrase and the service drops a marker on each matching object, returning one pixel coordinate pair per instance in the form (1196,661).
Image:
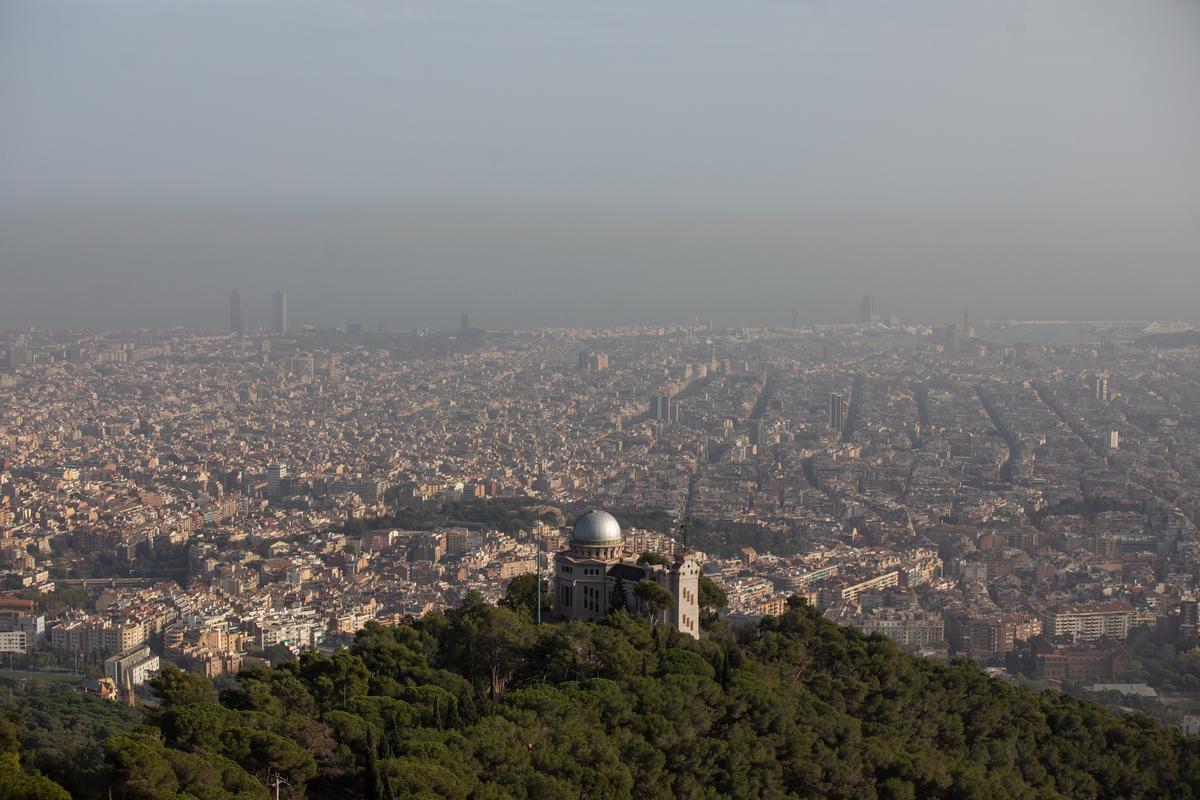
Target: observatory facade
(596,573)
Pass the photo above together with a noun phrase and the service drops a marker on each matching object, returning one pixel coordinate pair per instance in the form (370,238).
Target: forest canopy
(478,702)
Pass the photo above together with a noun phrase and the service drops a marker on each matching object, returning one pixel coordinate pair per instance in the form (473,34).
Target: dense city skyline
(544,399)
(406,270)
(964,489)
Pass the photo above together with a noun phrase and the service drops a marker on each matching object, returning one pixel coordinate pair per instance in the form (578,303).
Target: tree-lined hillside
(478,702)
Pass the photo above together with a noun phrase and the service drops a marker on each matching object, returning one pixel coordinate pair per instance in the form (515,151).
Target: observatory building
(596,571)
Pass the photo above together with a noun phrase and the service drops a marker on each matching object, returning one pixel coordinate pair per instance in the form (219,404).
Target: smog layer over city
(523,399)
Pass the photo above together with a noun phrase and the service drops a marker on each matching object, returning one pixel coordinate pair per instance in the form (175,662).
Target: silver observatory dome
(596,528)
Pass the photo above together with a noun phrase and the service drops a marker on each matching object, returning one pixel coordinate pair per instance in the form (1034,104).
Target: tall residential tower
(279,322)
(837,412)
(866,308)
(235,311)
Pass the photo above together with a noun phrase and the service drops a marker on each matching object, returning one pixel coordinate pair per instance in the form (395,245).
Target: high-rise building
(235,311)
(1189,616)
(279,320)
(302,367)
(276,479)
(795,318)
(660,407)
(591,361)
(1114,440)
(758,432)
(19,354)
(1100,389)
(837,412)
(465,325)
(866,308)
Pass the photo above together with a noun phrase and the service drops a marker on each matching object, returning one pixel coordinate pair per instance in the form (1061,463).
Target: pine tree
(617,599)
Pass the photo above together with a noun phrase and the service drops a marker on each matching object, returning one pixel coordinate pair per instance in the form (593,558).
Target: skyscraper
(235,311)
(952,338)
(1100,389)
(279,322)
(592,361)
(866,308)
(465,324)
(660,407)
(837,412)
(758,430)
(276,479)
(19,354)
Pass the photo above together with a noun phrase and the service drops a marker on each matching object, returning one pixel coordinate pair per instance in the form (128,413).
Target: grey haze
(562,162)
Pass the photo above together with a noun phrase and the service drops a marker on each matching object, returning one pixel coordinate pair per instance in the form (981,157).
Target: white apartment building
(1090,622)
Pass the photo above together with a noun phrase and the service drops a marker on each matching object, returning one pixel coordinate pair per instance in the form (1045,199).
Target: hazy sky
(547,163)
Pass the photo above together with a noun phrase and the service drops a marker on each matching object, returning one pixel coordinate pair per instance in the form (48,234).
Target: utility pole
(277,782)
